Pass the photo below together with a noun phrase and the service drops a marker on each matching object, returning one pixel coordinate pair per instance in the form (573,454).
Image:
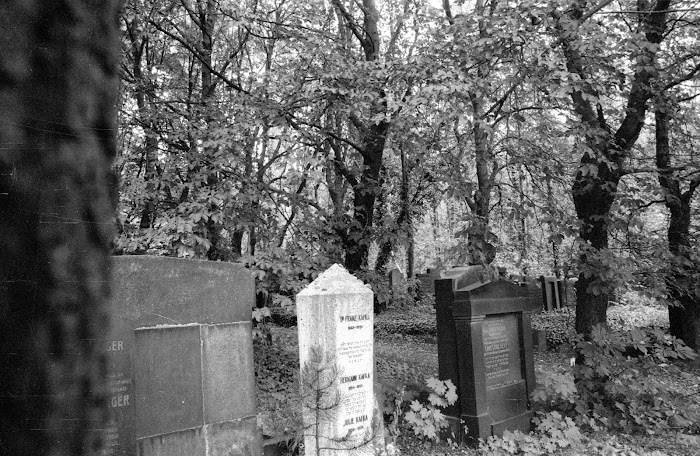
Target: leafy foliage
(427,420)
(407,323)
(297,134)
(277,379)
(614,384)
(554,391)
(553,433)
(558,324)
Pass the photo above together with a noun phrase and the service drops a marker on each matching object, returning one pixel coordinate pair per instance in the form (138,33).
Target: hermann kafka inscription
(501,350)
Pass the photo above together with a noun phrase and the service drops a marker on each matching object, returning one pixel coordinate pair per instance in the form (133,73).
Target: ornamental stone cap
(335,280)
(466,278)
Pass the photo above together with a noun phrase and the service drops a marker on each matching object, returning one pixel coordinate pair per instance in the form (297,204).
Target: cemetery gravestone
(485,349)
(534,289)
(336,340)
(180,359)
(427,281)
(396,279)
(552,293)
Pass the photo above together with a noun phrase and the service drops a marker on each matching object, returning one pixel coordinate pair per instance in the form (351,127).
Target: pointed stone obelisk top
(335,280)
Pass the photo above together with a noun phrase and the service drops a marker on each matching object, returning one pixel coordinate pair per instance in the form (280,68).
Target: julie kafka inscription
(354,359)
(501,350)
(119,438)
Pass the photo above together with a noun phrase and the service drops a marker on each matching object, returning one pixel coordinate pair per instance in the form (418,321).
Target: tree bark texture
(58,87)
(595,184)
(684,318)
(365,195)
(373,139)
(144,91)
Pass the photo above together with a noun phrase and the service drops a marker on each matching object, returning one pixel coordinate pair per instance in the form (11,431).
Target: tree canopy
(548,137)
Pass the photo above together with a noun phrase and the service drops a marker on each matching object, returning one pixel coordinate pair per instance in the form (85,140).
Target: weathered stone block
(183,443)
(172,291)
(168,368)
(227,363)
(234,438)
(180,359)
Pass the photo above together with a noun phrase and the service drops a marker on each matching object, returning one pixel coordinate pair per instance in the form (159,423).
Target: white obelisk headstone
(336,321)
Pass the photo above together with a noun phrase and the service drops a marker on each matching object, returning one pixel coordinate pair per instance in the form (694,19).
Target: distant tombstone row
(549,292)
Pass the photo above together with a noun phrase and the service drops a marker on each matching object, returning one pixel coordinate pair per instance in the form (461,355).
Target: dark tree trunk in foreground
(684,319)
(58,87)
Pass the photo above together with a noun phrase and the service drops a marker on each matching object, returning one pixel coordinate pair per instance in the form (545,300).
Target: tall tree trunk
(684,318)
(373,135)
(407,209)
(58,66)
(386,247)
(550,203)
(143,90)
(595,184)
(593,197)
(480,250)
(365,195)
(206,13)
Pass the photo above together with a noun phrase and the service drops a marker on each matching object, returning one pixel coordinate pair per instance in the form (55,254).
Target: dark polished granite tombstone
(485,348)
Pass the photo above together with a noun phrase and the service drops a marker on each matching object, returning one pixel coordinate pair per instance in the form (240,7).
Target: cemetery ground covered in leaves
(406,355)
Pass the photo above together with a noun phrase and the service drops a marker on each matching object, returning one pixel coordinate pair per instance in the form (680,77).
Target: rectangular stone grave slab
(168,365)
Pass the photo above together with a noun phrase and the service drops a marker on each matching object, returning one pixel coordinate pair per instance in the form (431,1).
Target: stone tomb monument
(180,359)
(335,321)
(396,278)
(427,280)
(485,348)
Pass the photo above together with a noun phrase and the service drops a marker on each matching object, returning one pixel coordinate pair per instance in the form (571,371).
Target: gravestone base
(222,439)
(522,422)
(454,430)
